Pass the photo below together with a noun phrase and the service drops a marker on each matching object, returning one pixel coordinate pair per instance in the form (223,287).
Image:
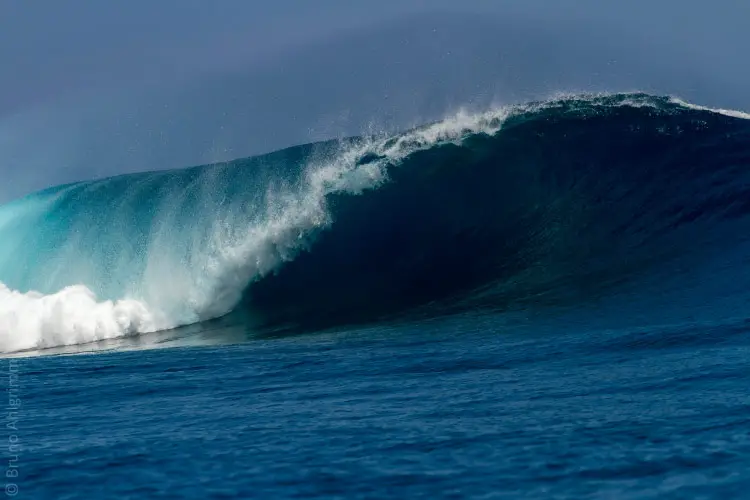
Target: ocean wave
(540,202)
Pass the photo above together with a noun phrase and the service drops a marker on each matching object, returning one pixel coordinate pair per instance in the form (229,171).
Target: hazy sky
(93,88)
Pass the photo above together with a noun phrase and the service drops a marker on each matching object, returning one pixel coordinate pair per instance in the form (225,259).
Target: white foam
(726,112)
(71,316)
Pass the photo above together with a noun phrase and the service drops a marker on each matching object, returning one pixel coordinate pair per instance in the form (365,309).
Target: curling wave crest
(153,251)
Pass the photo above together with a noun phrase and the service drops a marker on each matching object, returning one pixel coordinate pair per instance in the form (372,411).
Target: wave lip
(501,204)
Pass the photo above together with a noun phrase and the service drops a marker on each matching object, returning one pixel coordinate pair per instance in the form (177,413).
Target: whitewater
(148,252)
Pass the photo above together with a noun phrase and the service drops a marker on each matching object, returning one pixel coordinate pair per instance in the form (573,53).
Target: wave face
(543,204)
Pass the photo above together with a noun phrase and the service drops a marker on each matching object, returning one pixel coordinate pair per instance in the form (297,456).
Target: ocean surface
(547,300)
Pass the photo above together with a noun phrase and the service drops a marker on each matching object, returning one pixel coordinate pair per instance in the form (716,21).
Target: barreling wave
(550,201)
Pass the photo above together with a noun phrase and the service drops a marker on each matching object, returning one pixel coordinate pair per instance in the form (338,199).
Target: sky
(91,89)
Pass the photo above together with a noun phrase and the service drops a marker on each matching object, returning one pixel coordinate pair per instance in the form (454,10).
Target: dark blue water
(544,301)
(453,409)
